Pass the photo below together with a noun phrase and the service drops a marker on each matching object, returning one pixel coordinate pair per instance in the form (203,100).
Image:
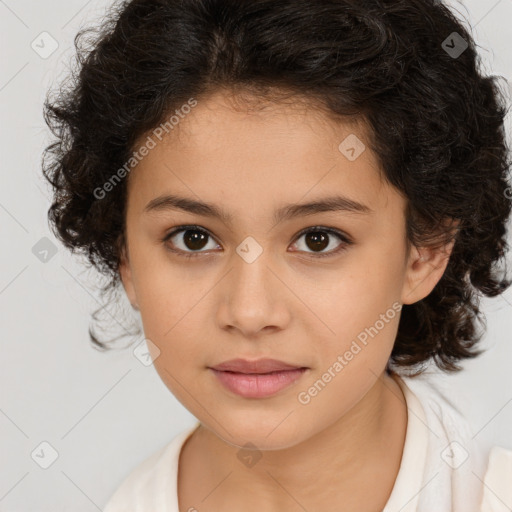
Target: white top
(442,469)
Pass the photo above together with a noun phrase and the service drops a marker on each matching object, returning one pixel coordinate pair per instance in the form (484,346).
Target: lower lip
(258,385)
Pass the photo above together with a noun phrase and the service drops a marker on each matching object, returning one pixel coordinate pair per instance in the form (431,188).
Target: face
(317,288)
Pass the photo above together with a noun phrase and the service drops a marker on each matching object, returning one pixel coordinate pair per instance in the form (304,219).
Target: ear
(425,268)
(125,273)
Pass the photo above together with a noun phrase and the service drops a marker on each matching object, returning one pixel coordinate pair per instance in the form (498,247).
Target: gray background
(104,413)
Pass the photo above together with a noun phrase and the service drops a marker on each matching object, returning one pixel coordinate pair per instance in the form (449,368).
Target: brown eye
(188,239)
(317,239)
(194,240)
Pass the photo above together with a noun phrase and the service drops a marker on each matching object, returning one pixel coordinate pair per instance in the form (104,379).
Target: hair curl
(437,126)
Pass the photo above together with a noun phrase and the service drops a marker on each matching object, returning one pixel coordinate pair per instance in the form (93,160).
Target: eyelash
(331,231)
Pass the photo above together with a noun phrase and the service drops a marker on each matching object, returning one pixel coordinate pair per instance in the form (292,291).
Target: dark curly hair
(436,123)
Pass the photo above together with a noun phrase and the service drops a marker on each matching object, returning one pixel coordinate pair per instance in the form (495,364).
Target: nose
(254,298)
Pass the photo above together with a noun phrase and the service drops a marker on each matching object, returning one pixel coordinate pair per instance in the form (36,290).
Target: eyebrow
(329,204)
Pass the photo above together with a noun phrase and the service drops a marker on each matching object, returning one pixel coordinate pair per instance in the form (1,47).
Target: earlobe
(425,269)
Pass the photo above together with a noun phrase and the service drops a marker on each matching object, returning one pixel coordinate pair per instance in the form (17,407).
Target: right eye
(188,240)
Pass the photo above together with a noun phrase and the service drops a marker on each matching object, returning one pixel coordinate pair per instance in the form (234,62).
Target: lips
(255,367)
(257,379)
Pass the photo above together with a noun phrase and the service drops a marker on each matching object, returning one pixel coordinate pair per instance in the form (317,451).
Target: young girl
(304,200)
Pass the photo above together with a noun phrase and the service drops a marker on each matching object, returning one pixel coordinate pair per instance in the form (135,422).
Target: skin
(287,304)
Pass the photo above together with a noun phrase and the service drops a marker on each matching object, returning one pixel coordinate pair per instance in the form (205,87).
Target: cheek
(364,337)
(378,274)
(181,356)
(362,310)
(349,362)
(166,294)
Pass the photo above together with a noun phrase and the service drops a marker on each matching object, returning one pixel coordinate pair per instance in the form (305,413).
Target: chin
(270,434)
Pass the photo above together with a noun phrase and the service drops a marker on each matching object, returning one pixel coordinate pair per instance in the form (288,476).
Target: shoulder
(489,468)
(434,394)
(152,482)
(498,481)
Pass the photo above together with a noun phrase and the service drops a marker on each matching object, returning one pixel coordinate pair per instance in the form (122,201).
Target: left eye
(316,239)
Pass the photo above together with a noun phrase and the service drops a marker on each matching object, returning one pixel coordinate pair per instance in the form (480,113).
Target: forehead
(254,121)
(224,150)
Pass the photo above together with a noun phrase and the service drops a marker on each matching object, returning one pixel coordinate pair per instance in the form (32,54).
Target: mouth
(257,379)
(258,366)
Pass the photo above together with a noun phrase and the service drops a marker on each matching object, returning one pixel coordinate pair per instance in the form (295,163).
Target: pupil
(316,240)
(195,240)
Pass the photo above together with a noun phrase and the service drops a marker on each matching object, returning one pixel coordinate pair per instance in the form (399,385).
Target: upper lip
(258,366)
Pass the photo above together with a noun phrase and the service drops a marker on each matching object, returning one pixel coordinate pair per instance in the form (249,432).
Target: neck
(361,450)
